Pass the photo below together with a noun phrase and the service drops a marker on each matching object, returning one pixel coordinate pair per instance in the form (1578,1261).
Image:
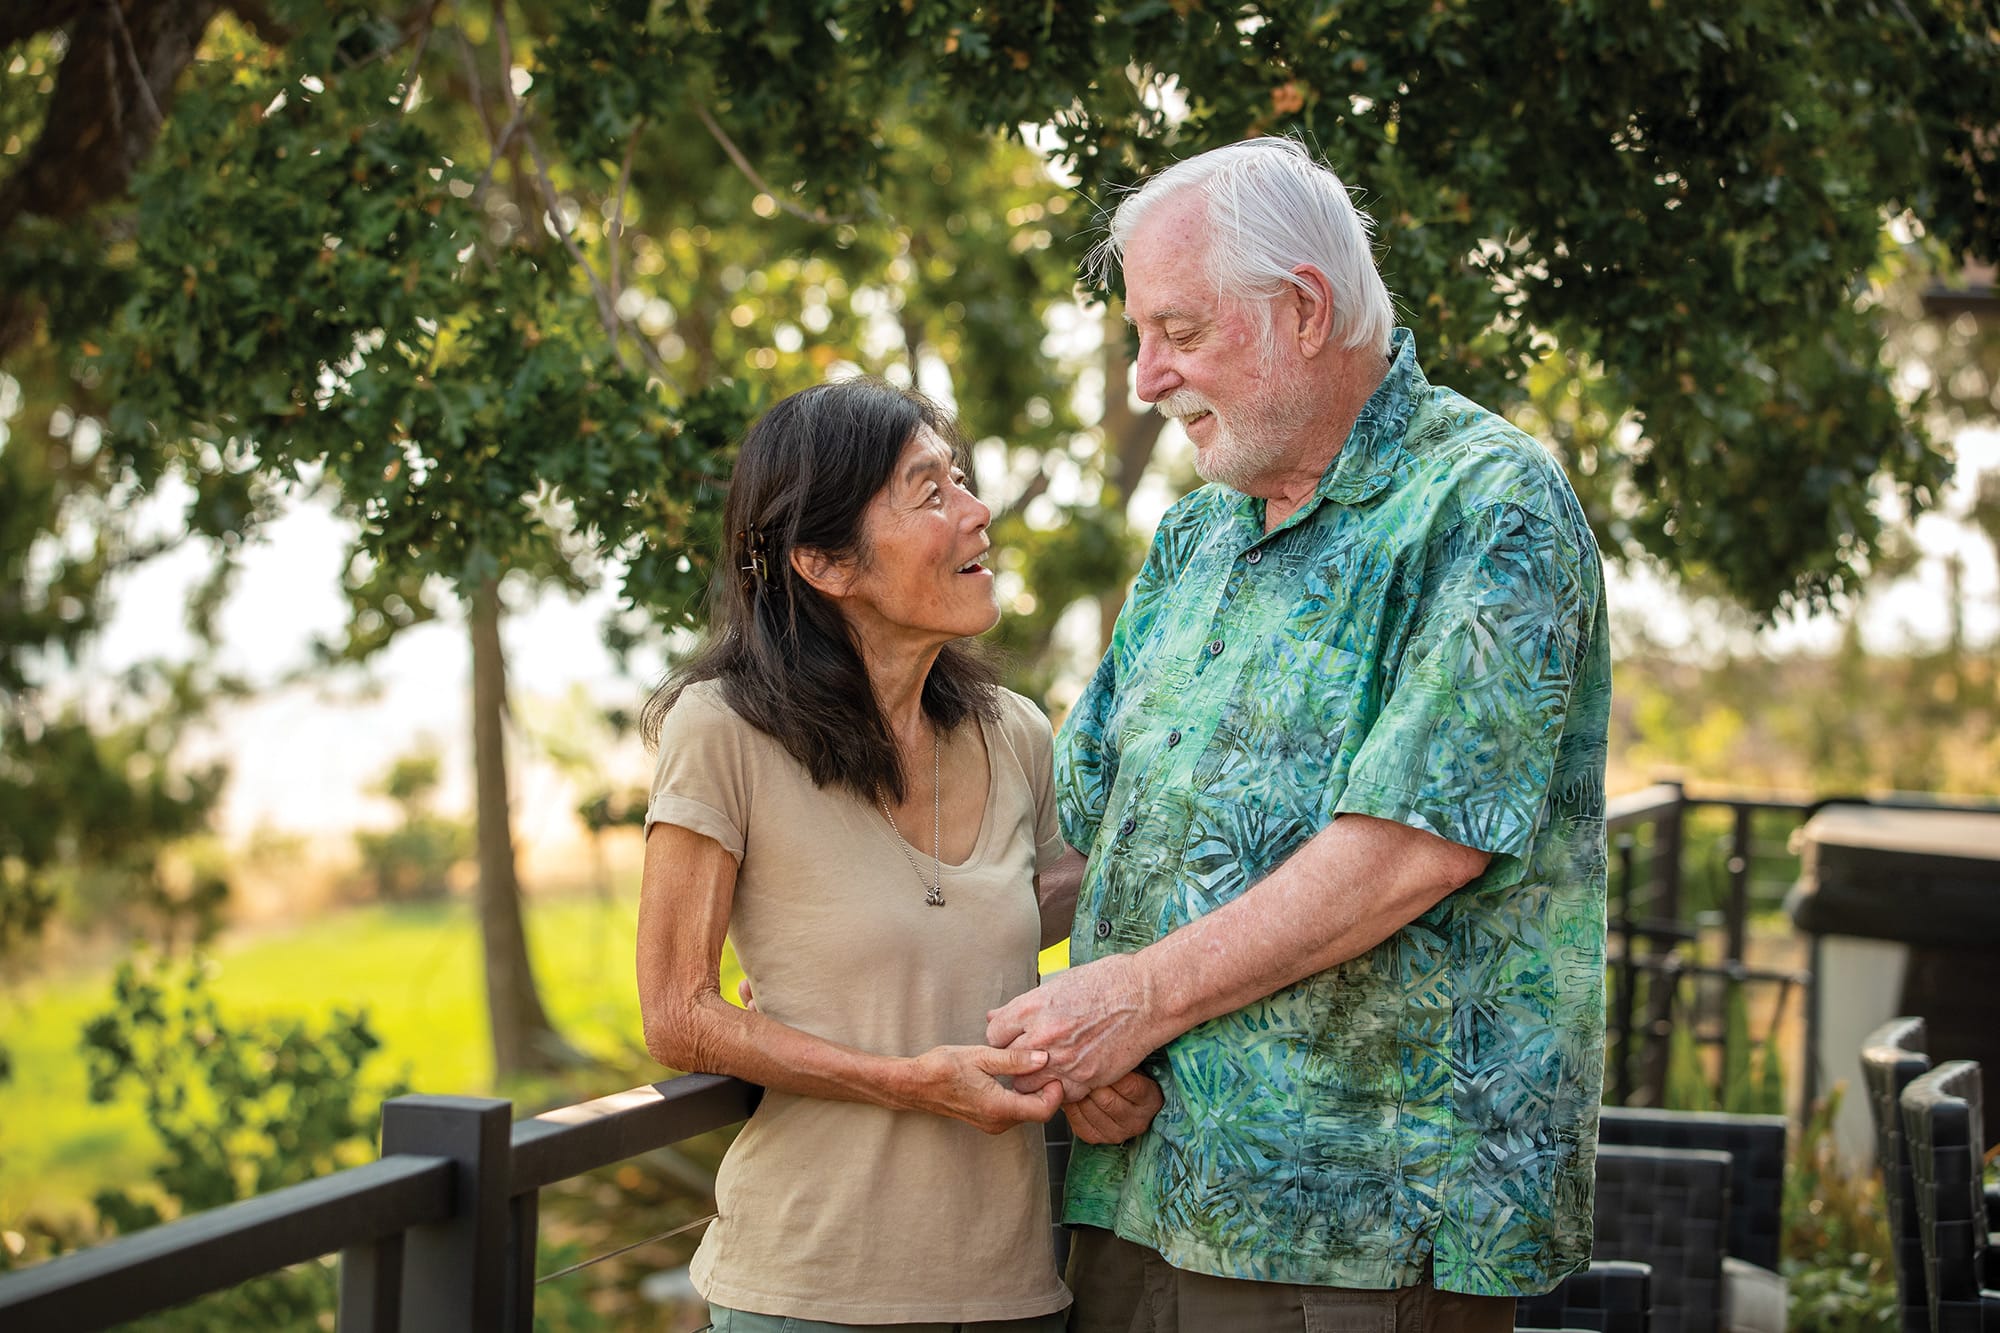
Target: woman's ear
(828,577)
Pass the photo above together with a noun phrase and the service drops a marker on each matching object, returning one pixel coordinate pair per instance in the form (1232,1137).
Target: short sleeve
(702,780)
(1041,752)
(1465,746)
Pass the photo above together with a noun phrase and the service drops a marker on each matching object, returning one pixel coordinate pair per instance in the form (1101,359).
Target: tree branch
(1033,491)
(88,147)
(752,175)
(138,70)
(618,206)
(424,26)
(607,308)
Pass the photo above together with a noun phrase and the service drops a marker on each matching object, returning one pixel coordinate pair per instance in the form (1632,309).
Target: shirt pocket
(1281,742)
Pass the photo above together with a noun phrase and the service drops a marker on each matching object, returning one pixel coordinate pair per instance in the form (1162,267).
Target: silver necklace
(934,890)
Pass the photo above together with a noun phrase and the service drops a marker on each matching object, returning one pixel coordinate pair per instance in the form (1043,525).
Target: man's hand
(1118,1111)
(1095,1021)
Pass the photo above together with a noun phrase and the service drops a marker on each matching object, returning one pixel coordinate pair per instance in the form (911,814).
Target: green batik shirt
(1423,641)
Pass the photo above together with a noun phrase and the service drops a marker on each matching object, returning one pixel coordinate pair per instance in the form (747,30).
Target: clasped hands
(966,1083)
(1093,1022)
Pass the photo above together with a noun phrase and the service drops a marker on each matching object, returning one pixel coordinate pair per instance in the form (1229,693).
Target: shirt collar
(1374,450)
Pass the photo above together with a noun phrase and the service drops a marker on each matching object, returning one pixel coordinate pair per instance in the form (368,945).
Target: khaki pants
(722,1319)
(1125,1288)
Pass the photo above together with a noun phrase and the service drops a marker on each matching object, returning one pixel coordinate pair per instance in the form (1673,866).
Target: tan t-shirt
(840,1211)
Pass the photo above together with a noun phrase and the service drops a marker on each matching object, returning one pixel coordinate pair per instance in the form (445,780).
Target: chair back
(1942,1124)
(1610,1296)
(1890,1061)
(1669,1208)
(1756,1147)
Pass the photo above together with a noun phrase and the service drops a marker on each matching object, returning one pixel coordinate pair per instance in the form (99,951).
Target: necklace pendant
(934,896)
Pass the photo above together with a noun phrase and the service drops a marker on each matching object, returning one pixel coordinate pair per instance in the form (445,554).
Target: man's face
(1202,357)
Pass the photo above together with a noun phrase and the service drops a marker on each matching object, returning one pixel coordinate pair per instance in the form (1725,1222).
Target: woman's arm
(690,882)
(1055,894)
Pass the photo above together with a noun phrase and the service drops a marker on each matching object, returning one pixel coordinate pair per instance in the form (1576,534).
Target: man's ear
(1309,312)
(828,577)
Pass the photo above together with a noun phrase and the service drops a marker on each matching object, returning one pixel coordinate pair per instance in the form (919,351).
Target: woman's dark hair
(782,652)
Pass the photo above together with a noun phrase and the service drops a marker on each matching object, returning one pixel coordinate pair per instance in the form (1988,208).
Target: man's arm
(1357,882)
(1055,895)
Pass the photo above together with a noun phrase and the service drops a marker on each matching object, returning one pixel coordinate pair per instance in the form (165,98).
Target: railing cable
(613,1254)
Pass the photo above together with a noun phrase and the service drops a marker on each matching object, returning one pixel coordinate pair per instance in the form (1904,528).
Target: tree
(426,349)
(412,861)
(490,272)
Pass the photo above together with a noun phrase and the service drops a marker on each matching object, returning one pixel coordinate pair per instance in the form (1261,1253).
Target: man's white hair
(1271,207)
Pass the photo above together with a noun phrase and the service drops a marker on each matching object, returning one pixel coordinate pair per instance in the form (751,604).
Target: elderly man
(1340,777)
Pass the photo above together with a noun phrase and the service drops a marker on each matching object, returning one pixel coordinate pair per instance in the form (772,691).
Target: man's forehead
(1166,277)
(1176,290)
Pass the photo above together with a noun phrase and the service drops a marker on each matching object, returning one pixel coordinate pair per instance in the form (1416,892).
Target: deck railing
(439,1236)
(1678,969)
(436,1237)
(1689,873)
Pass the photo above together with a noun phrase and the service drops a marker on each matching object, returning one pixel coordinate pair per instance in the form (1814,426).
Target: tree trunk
(523,1039)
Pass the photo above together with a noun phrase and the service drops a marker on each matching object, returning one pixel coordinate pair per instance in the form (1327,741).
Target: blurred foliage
(239,1108)
(1837,1257)
(412,862)
(1749,1078)
(507,281)
(1846,723)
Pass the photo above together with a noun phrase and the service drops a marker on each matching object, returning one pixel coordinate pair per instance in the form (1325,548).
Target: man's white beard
(1240,458)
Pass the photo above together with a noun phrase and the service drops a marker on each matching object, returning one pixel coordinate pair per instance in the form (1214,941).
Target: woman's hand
(1118,1111)
(964,1082)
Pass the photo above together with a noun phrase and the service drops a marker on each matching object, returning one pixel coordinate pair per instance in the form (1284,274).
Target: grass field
(414,969)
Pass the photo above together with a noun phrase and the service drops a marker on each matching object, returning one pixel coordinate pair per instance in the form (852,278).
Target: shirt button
(1215,648)
(1125,829)
(1103,929)
(1254,556)
(1173,739)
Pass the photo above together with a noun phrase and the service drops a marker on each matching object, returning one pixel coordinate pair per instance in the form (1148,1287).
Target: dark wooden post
(1628,976)
(371,1286)
(1662,981)
(1741,848)
(524,1212)
(455,1273)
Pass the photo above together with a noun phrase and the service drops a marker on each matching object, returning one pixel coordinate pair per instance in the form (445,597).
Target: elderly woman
(844,790)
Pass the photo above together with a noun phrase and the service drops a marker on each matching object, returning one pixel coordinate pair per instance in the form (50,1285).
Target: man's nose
(1152,376)
(981,512)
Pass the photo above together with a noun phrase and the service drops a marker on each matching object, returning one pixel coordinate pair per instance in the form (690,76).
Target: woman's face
(920,579)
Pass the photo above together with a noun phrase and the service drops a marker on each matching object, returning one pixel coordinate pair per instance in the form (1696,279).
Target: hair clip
(753,545)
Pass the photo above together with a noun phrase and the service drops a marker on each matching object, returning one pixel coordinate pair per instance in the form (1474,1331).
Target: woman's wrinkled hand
(1118,1111)
(968,1083)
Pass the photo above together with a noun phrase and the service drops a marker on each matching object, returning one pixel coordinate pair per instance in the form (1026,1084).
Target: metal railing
(436,1237)
(1679,963)
(1664,977)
